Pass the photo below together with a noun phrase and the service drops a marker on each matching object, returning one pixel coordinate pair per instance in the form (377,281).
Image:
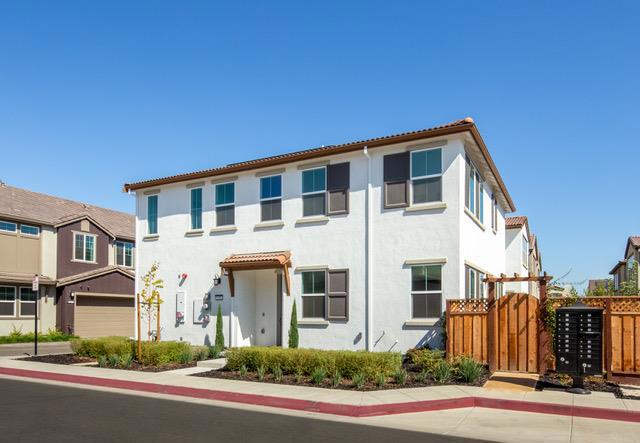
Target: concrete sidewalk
(20,349)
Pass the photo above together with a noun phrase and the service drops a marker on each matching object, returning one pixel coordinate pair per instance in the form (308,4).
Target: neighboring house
(622,271)
(83,255)
(518,252)
(597,283)
(369,239)
(534,263)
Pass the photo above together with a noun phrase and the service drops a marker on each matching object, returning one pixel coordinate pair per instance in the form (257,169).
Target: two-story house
(368,238)
(522,254)
(83,256)
(624,269)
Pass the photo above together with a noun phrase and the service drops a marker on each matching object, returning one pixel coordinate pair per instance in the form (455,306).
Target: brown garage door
(103,316)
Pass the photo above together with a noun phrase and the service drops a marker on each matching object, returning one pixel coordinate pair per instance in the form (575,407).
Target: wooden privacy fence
(621,335)
(506,332)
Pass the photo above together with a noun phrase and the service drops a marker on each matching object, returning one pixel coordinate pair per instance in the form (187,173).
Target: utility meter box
(180,306)
(579,340)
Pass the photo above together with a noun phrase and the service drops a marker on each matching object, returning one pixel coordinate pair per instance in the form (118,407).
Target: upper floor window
(30,230)
(8,226)
(124,253)
(426,291)
(474,191)
(84,247)
(271,198)
(225,204)
(525,251)
(314,186)
(426,176)
(7,301)
(152,214)
(494,213)
(196,208)
(28,299)
(474,283)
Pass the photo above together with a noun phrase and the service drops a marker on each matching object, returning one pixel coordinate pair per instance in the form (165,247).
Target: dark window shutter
(396,179)
(338,295)
(338,179)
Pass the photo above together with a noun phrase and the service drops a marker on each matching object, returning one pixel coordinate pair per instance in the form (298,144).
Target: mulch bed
(345,384)
(554,381)
(70,359)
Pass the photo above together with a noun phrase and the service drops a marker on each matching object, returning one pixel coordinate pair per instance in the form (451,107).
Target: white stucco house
(369,238)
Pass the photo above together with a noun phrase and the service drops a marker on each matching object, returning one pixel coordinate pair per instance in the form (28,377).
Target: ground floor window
(474,283)
(426,291)
(27,302)
(7,301)
(313,294)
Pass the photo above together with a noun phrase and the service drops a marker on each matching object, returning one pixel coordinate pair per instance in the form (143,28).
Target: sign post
(35,286)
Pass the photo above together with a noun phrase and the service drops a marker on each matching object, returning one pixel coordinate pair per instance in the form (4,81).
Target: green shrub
(201,352)
(400,377)
(442,372)
(158,353)
(425,359)
(422,376)
(293,328)
(277,375)
(359,380)
(336,379)
(318,375)
(126,361)
(468,369)
(102,361)
(261,370)
(214,352)
(104,346)
(114,360)
(305,361)
(299,377)
(381,380)
(243,371)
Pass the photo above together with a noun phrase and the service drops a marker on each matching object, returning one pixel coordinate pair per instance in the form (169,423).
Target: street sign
(35,283)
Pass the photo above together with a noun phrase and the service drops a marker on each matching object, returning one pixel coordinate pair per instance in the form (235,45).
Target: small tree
(293,328)
(219,334)
(149,301)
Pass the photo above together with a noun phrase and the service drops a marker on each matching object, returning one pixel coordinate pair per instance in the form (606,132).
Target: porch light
(217,280)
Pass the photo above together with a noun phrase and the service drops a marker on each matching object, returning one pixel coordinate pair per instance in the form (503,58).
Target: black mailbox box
(579,340)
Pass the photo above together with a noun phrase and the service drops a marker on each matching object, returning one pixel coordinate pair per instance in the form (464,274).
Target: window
(338,184)
(30,230)
(8,226)
(152,214)
(27,302)
(271,198)
(525,251)
(474,191)
(314,192)
(84,247)
(426,176)
(124,253)
(7,301)
(426,291)
(494,213)
(196,208)
(313,293)
(474,283)
(225,204)
(396,173)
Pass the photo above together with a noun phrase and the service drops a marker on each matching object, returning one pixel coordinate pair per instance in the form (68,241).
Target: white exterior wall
(398,235)
(514,264)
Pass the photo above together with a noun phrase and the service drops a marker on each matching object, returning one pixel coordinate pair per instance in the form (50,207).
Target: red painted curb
(335,408)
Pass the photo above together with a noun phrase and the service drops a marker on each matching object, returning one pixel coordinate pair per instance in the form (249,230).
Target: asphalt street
(37,412)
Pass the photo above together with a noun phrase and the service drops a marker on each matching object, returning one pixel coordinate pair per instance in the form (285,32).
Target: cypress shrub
(293,328)
(219,334)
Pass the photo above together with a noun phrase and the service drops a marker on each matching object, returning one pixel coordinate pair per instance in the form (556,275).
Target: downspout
(368,252)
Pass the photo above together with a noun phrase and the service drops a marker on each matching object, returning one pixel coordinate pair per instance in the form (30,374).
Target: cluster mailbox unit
(579,343)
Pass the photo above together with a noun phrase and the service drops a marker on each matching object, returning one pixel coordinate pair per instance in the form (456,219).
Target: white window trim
(525,252)
(224,205)
(494,214)
(25,234)
(270,198)
(15,225)
(15,302)
(191,228)
(124,254)
(425,319)
(412,178)
(324,295)
(478,181)
(478,283)
(84,247)
(324,191)
(19,298)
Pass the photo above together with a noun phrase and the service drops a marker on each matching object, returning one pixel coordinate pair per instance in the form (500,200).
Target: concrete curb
(335,408)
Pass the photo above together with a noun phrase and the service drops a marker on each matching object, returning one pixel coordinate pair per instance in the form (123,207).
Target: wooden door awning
(258,261)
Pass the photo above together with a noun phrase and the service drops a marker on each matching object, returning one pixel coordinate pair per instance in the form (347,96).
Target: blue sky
(95,95)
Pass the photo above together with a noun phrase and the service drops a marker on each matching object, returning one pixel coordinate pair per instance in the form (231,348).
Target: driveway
(20,349)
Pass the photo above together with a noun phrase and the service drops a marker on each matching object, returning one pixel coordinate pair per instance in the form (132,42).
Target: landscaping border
(334,408)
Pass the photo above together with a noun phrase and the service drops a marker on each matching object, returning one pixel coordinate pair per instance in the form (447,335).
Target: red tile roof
(635,241)
(516,222)
(276,258)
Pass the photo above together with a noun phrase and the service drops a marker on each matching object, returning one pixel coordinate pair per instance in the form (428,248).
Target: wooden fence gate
(506,332)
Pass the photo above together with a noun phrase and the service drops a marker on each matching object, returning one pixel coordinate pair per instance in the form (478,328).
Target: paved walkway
(20,349)
(452,410)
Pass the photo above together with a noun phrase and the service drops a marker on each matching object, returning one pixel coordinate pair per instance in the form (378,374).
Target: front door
(278,309)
